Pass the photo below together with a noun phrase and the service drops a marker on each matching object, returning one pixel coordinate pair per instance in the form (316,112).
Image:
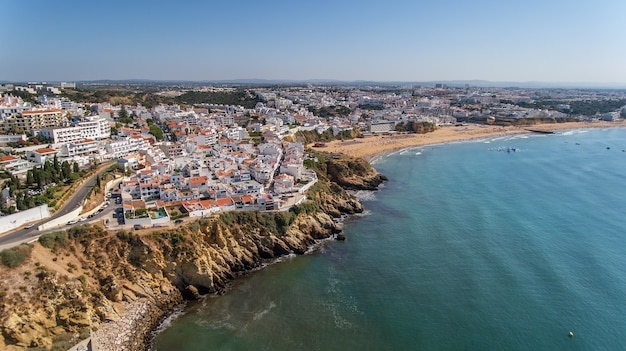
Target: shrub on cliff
(312,136)
(305,207)
(276,222)
(14,256)
(53,240)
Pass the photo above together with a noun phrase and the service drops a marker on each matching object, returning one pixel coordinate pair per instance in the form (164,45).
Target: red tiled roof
(7,158)
(45,151)
(208,203)
(197,180)
(224,202)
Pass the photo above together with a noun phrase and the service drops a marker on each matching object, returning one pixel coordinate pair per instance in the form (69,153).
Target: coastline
(371,147)
(134,329)
(136,326)
(164,317)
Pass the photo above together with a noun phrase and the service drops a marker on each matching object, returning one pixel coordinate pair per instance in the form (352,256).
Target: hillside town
(206,158)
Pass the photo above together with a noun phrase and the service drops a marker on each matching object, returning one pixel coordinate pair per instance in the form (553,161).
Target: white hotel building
(95,128)
(125,146)
(80,148)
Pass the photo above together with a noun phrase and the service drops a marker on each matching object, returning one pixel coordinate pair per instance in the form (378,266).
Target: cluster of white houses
(227,177)
(205,164)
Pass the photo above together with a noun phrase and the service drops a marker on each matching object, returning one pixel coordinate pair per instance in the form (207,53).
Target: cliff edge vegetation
(74,282)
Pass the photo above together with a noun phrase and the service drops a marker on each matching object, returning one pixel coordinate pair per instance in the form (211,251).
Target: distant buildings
(208,162)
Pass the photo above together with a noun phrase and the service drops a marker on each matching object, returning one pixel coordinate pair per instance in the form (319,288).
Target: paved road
(16,237)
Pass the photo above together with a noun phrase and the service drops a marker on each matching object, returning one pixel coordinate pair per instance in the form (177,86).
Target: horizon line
(482,82)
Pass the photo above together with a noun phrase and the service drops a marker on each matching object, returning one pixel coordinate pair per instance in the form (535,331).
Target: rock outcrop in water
(121,284)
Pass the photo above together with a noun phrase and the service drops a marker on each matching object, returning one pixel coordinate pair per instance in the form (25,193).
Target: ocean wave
(394,153)
(318,245)
(516,136)
(286,257)
(366,195)
(177,312)
(260,314)
(215,318)
(573,132)
(216,325)
(364,213)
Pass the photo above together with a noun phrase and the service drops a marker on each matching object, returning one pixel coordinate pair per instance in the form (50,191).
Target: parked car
(72,222)
(82,219)
(29,226)
(178,221)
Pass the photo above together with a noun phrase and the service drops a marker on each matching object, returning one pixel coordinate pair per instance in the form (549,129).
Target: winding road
(18,236)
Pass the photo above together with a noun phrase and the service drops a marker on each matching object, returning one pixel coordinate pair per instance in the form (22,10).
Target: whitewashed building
(95,128)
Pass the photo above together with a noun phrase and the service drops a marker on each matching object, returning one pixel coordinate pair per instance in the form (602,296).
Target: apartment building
(95,128)
(34,121)
(80,148)
(125,146)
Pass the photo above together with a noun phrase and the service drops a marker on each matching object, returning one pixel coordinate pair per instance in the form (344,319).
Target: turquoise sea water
(464,248)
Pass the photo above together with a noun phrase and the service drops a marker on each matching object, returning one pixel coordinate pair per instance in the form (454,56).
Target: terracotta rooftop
(7,158)
(45,151)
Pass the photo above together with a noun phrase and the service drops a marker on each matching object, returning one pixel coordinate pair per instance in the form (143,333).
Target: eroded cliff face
(352,173)
(90,276)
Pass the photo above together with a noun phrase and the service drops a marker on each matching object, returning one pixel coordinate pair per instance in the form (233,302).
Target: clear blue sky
(385,40)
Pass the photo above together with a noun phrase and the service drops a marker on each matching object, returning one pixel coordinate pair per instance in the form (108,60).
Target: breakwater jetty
(540,131)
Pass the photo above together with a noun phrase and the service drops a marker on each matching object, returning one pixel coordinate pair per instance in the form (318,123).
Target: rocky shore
(133,330)
(123,284)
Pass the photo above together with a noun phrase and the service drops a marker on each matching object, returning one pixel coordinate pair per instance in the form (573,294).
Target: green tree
(122,114)
(156,131)
(65,170)
(29,178)
(16,181)
(75,168)
(97,181)
(56,164)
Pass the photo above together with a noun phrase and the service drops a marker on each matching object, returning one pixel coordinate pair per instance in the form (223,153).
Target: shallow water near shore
(496,244)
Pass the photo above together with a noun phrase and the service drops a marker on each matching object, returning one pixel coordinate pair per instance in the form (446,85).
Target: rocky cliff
(88,278)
